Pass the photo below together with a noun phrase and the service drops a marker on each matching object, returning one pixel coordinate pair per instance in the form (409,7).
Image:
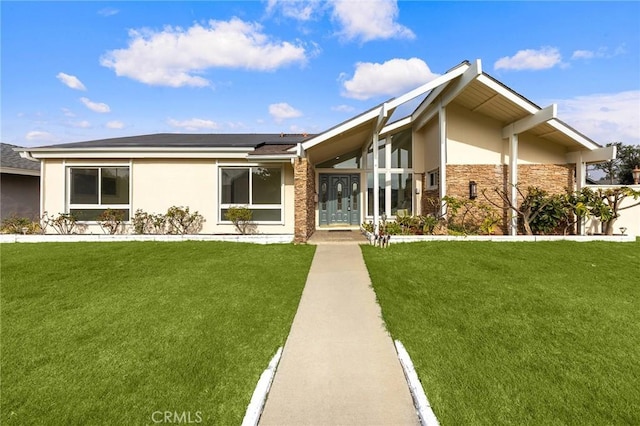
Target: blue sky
(74,71)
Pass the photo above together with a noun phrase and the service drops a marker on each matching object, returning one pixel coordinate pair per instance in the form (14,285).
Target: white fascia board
(383,117)
(606,153)
(41,153)
(384,110)
(271,158)
(445,78)
(469,75)
(581,139)
(509,94)
(530,121)
(396,126)
(425,116)
(426,111)
(368,116)
(17,171)
(428,103)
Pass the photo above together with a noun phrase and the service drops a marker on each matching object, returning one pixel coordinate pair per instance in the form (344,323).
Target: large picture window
(92,190)
(257,188)
(395,179)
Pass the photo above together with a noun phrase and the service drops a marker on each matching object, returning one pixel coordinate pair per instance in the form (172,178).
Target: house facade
(401,156)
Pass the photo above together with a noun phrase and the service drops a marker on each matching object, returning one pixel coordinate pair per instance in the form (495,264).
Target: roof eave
(18,171)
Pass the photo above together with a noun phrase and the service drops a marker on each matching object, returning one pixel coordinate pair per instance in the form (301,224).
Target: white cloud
(115,125)
(108,11)
(369,20)
(391,78)
(95,106)
(602,52)
(67,112)
(583,54)
(299,10)
(175,56)
(71,81)
(608,117)
(343,108)
(39,135)
(193,124)
(530,59)
(282,111)
(84,124)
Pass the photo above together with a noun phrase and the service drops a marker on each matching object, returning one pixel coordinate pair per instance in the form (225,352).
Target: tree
(605,204)
(619,170)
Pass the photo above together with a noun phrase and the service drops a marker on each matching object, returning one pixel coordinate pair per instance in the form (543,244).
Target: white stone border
(504,238)
(425,413)
(255,239)
(254,410)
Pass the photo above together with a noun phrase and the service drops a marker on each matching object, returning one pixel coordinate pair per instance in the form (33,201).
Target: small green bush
(181,221)
(241,218)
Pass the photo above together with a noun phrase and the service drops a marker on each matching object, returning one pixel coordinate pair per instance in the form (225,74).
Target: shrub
(241,218)
(466,216)
(181,221)
(368,226)
(64,223)
(19,225)
(112,221)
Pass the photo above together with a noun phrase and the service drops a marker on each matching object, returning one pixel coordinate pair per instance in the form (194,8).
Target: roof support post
(581,174)
(442,124)
(376,182)
(513,182)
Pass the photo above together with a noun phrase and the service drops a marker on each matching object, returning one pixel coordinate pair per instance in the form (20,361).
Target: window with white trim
(257,188)
(92,190)
(395,179)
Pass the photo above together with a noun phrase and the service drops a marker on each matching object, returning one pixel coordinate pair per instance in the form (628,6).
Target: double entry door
(339,199)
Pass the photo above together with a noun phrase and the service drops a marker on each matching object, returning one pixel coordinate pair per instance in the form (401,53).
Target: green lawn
(517,333)
(109,333)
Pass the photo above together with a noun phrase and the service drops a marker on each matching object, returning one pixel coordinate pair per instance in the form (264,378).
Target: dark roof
(272,149)
(11,159)
(190,140)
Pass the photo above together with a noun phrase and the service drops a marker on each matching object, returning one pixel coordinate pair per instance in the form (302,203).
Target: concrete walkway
(339,365)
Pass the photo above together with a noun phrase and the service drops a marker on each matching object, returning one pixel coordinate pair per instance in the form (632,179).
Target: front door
(339,199)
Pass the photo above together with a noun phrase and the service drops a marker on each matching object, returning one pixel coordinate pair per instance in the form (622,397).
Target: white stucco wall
(474,138)
(157,184)
(427,147)
(53,187)
(629,218)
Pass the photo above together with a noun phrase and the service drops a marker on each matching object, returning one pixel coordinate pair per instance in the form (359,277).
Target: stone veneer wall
(304,188)
(553,178)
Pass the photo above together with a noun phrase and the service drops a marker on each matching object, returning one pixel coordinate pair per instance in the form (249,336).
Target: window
(433,179)
(401,192)
(401,150)
(257,188)
(381,155)
(395,185)
(92,190)
(351,160)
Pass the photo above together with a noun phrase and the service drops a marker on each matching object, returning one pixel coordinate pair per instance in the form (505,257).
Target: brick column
(305,205)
